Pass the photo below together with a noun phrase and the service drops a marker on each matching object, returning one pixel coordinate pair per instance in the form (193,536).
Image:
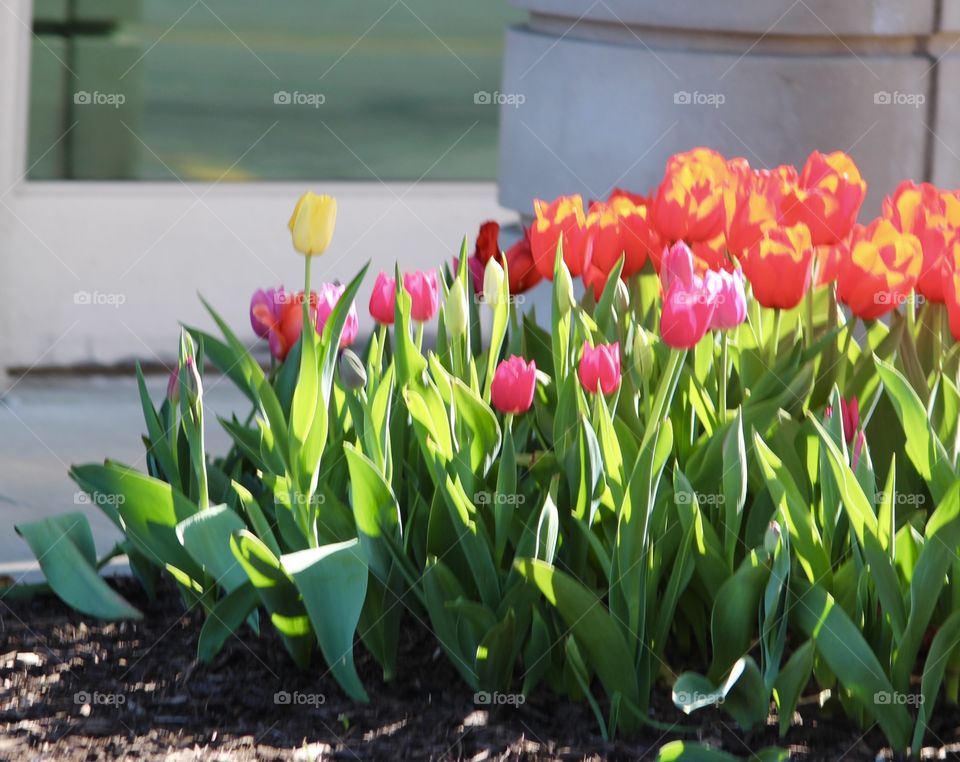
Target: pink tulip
(600,368)
(849,416)
(327,299)
(383,300)
(514,382)
(731,301)
(857,450)
(689,301)
(424,290)
(266,307)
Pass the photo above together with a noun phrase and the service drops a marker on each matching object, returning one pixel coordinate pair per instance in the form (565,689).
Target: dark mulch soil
(79,689)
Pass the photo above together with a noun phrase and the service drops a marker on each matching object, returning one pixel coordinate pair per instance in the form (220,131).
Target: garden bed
(171,703)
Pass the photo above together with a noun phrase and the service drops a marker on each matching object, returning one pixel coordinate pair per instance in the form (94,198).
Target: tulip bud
(564,286)
(493,283)
(194,384)
(455,312)
(353,375)
(621,297)
(771,539)
(643,357)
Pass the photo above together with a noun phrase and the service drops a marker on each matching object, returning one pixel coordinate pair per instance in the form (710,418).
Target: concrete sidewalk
(48,424)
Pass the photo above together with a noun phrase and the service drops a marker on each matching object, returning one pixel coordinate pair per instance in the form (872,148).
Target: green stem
(724,373)
(775,338)
(420,336)
(810,318)
(306,291)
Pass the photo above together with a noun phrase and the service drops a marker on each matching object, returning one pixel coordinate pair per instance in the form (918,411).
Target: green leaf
(734,485)
(278,593)
(375,510)
(206,536)
(842,646)
(688,751)
(333,582)
(790,683)
(481,423)
(586,616)
(64,548)
(548,531)
(943,645)
(224,619)
(734,619)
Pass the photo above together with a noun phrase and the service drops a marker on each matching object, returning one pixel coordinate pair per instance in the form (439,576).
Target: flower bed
(728,475)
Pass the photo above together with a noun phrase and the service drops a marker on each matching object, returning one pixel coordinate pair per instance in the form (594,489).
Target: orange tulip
(880,269)
(827,198)
(778,266)
(562,217)
(952,294)
(933,217)
(689,204)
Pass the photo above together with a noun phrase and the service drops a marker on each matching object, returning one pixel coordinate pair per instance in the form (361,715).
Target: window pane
(249,90)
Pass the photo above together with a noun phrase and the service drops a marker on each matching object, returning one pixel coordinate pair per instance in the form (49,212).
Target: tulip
(562,219)
(643,355)
(827,198)
(265,308)
(933,217)
(621,227)
(600,368)
(312,223)
(521,267)
(771,538)
(689,300)
(424,290)
(778,266)
(455,310)
(849,416)
(754,206)
(952,294)
(689,204)
(880,269)
(327,299)
(493,283)
(488,244)
(857,450)
(383,300)
(194,383)
(731,301)
(513,385)
(286,331)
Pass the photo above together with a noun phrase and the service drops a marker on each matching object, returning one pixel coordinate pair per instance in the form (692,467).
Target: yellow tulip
(312,223)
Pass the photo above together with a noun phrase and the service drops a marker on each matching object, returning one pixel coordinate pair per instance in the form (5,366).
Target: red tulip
(521,267)
(689,204)
(564,217)
(880,269)
(600,368)
(286,331)
(933,217)
(488,242)
(952,295)
(827,198)
(778,266)
(383,300)
(513,385)
(424,290)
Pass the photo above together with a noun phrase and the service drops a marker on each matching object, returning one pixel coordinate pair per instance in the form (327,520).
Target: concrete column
(611,89)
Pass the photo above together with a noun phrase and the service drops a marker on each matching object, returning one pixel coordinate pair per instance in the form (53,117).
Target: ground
(77,689)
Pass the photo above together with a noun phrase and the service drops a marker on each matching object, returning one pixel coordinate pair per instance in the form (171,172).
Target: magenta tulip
(514,382)
(266,307)
(327,298)
(383,300)
(731,301)
(689,301)
(600,368)
(424,290)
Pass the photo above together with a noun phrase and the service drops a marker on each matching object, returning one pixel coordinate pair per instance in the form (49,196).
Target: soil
(75,688)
